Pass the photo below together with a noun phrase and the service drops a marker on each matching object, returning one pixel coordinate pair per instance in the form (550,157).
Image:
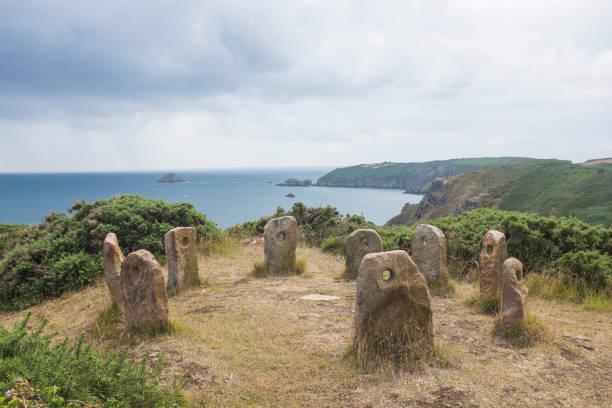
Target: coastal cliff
(414,178)
(545,187)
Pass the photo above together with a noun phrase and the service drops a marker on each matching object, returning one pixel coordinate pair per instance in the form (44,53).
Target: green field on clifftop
(413,177)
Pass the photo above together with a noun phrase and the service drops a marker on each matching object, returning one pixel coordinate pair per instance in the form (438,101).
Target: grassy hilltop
(545,187)
(244,341)
(413,177)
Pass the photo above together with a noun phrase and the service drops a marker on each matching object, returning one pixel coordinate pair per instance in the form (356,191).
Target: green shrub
(74,372)
(573,248)
(316,224)
(335,245)
(65,253)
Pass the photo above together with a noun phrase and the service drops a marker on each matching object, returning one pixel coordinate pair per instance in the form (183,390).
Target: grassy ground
(242,341)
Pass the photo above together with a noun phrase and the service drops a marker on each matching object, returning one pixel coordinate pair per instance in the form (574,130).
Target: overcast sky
(151,85)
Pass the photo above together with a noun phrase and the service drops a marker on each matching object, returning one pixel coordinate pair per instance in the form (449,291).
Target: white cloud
(143,85)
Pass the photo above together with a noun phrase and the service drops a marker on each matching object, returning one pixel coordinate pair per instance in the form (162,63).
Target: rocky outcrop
(170,178)
(292,182)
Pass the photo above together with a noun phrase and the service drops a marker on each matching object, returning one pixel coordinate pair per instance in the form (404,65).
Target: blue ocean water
(227,197)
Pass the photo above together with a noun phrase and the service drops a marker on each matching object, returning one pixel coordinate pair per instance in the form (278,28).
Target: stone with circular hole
(143,291)
(359,243)
(494,253)
(280,243)
(182,258)
(429,253)
(113,257)
(393,315)
(514,294)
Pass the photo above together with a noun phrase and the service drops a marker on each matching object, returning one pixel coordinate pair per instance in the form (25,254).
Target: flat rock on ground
(253,342)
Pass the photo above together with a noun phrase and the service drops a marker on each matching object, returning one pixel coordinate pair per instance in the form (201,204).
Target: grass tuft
(108,323)
(443,289)
(259,270)
(597,302)
(488,306)
(227,246)
(557,287)
(300,266)
(525,334)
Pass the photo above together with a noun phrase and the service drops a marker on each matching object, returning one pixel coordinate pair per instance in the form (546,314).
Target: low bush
(64,253)
(577,251)
(66,372)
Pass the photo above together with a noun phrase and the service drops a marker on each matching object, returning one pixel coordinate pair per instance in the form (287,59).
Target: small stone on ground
(316,296)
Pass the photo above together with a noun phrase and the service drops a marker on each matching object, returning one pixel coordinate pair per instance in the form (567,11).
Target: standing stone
(393,315)
(280,242)
(492,257)
(112,266)
(514,294)
(182,258)
(429,253)
(358,244)
(143,289)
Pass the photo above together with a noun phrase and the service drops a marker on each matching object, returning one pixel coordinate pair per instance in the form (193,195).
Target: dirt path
(253,342)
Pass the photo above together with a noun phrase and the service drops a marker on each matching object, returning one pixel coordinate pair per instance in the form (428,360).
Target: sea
(227,197)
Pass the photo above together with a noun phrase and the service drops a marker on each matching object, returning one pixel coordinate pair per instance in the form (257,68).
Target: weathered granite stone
(182,258)
(143,289)
(112,266)
(514,294)
(358,244)
(280,242)
(393,315)
(429,253)
(492,257)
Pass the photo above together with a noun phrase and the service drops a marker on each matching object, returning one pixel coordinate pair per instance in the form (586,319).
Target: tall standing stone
(429,253)
(358,244)
(514,294)
(182,258)
(492,257)
(112,266)
(143,289)
(280,243)
(393,315)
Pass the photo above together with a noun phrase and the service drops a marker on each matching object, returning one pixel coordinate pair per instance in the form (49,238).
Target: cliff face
(545,187)
(443,199)
(414,178)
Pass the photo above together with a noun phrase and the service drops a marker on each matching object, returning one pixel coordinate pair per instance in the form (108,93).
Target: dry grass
(525,334)
(556,287)
(252,342)
(259,271)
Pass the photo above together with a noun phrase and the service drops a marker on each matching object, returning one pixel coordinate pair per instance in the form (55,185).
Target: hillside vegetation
(578,253)
(38,372)
(546,187)
(413,177)
(65,253)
